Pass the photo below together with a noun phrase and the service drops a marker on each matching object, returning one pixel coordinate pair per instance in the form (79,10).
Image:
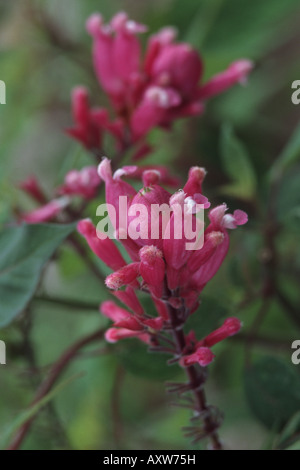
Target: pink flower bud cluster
(162,266)
(146,91)
(82,183)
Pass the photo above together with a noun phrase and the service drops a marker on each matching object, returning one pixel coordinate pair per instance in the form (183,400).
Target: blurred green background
(244,141)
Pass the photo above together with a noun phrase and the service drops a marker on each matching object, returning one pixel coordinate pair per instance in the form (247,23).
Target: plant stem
(68,303)
(115,405)
(27,351)
(196,378)
(262,341)
(55,371)
(292,311)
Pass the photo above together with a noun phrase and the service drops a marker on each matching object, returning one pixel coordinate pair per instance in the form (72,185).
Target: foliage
(248,140)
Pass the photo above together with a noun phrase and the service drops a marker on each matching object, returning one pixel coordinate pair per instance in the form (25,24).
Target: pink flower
(116,55)
(151,174)
(104,248)
(164,257)
(89,123)
(174,71)
(115,187)
(174,90)
(127,325)
(150,92)
(83,182)
(120,316)
(128,297)
(148,198)
(202,354)
(152,269)
(32,187)
(163,266)
(230,327)
(220,222)
(113,335)
(178,67)
(47,212)
(124,276)
(237,72)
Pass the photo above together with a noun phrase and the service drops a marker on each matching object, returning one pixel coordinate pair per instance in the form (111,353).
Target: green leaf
(28,414)
(290,433)
(207,318)
(288,198)
(202,21)
(70,266)
(273,391)
(231,29)
(295,446)
(23,253)
(289,155)
(135,358)
(244,29)
(237,166)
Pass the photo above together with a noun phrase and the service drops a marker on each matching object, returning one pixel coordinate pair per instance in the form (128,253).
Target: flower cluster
(145,92)
(83,184)
(162,266)
(170,250)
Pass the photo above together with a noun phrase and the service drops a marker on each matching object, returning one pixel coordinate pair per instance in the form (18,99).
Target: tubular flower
(202,353)
(169,262)
(127,325)
(145,91)
(89,122)
(32,187)
(48,211)
(84,182)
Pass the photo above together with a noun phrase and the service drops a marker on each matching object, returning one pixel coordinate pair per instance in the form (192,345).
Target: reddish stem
(55,371)
(196,379)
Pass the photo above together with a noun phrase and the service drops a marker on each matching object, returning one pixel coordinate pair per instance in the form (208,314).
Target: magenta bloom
(84,182)
(89,123)
(145,92)
(116,56)
(32,187)
(201,349)
(164,264)
(46,212)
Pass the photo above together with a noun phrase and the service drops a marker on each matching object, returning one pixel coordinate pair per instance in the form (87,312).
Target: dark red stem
(55,371)
(196,378)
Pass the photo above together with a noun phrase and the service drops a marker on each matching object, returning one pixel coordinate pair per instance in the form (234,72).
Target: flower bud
(230,327)
(47,212)
(237,72)
(104,248)
(32,187)
(123,277)
(194,183)
(128,297)
(203,356)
